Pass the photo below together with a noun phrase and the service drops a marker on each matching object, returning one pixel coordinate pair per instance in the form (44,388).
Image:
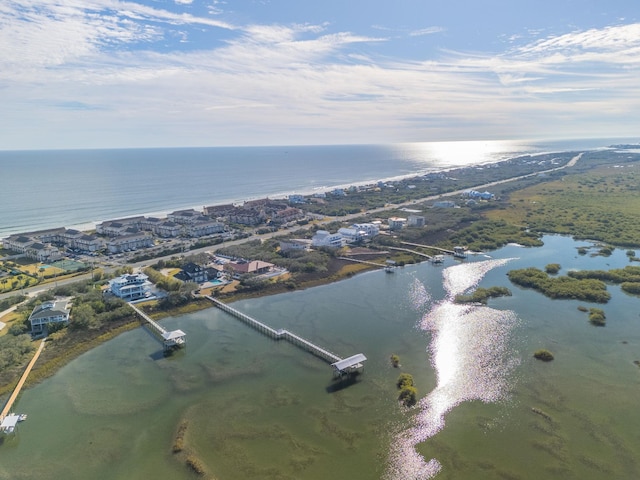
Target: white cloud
(301,83)
(427,31)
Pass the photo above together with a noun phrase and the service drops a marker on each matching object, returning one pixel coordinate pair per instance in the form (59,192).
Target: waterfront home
(130,286)
(185,217)
(255,267)
(396,223)
(219,211)
(295,244)
(296,199)
(192,272)
(323,238)
(113,228)
(48,313)
(369,229)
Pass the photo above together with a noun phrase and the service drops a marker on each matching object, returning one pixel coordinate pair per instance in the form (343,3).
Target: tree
(404,380)
(83,317)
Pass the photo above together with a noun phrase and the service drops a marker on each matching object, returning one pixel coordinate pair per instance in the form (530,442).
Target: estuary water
(77,188)
(253,408)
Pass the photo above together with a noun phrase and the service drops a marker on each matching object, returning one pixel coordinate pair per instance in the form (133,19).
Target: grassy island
(482,295)
(566,287)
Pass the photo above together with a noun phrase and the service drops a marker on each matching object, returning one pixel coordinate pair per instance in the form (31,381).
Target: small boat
(22,417)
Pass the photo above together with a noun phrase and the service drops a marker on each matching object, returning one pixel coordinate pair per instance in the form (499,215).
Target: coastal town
(226,250)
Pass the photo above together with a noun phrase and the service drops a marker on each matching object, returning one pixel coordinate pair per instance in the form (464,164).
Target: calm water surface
(257,409)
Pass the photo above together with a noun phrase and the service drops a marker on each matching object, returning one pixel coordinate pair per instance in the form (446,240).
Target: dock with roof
(170,339)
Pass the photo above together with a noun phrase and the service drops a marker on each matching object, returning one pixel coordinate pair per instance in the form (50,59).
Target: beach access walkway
(16,391)
(341,366)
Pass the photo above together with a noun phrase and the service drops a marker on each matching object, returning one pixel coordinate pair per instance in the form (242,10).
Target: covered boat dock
(349,366)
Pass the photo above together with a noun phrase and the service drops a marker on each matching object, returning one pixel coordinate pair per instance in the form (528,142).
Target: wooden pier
(340,366)
(7,407)
(170,339)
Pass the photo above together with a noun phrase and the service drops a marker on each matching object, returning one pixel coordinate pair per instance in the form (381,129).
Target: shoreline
(51,367)
(90,224)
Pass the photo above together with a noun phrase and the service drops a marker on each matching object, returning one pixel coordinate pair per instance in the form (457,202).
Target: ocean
(77,188)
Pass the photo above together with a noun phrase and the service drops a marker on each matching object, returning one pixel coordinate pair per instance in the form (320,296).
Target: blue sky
(156,73)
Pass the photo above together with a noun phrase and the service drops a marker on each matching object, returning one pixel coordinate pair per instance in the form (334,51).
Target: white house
(416,221)
(396,223)
(49,312)
(369,229)
(294,244)
(351,235)
(130,286)
(323,238)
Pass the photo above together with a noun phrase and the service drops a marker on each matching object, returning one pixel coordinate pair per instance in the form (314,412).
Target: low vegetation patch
(395,360)
(492,234)
(552,268)
(599,204)
(482,295)
(408,393)
(597,317)
(565,287)
(544,355)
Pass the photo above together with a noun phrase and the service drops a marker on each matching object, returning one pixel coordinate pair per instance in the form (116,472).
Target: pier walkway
(353,365)
(410,251)
(16,391)
(366,262)
(458,252)
(173,339)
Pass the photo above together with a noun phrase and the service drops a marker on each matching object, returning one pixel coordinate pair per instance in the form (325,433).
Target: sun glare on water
(470,353)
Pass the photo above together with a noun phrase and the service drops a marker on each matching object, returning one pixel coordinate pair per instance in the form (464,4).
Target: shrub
(404,380)
(552,268)
(544,355)
(597,317)
(395,360)
(408,396)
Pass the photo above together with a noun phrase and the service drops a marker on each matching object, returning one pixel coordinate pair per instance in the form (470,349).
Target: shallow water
(256,408)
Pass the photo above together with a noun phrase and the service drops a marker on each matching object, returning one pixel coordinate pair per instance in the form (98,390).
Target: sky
(173,73)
